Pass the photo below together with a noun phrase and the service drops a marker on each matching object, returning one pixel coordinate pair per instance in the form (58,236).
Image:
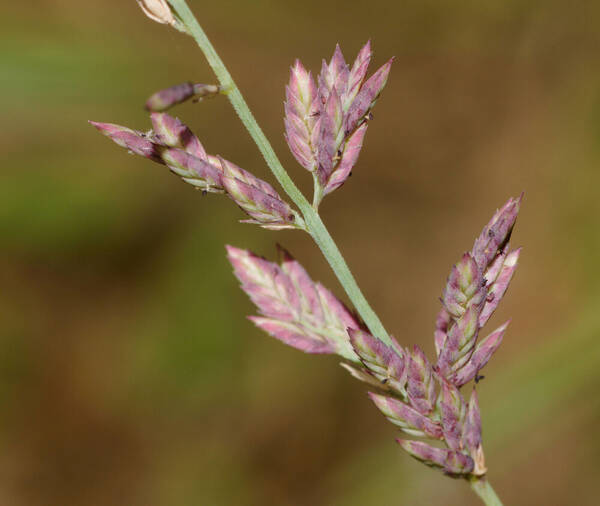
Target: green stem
(317,192)
(485,491)
(314,225)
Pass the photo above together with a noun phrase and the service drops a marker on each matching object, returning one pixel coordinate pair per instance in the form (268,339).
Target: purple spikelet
(357,74)
(498,285)
(165,99)
(348,159)
(134,141)
(408,419)
(193,170)
(301,116)
(366,97)
(329,139)
(457,463)
(453,411)
(173,133)
(257,198)
(294,309)
(474,289)
(421,387)
(441,327)
(196,171)
(387,364)
(454,463)
(472,435)
(326,124)
(334,76)
(496,233)
(483,352)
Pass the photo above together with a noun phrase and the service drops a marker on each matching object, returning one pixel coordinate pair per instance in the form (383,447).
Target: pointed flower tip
(105,128)
(352,332)
(499,332)
(374,397)
(132,140)
(364,55)
(110,128)
(298,68)
(404,443)
(516,253)
(386,67)
(338,56)
(234,253)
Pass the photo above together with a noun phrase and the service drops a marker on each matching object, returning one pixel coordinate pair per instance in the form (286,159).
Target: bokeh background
(128,372)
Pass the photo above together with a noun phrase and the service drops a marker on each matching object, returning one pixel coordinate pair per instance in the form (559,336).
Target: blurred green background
(128,372)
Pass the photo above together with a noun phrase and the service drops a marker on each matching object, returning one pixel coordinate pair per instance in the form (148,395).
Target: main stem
(314,225)
(485,491)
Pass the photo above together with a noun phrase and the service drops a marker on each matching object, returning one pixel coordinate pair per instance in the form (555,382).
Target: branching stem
(313,222)
(314,225)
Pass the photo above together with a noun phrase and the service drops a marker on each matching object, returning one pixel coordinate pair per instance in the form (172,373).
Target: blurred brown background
(128,373)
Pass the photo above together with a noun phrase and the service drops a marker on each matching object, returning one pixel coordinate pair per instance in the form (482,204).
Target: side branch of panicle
(424,400)
(326,123)
(172,143)
(293,308)
(473,291)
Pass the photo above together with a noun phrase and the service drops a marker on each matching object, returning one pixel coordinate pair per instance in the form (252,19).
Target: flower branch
(326,119)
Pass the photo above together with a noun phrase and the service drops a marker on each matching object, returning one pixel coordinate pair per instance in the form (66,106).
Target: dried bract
(158,10)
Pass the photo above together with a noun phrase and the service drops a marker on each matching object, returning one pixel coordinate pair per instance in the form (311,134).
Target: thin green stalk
(317,192)
(314,225)
(485,491)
